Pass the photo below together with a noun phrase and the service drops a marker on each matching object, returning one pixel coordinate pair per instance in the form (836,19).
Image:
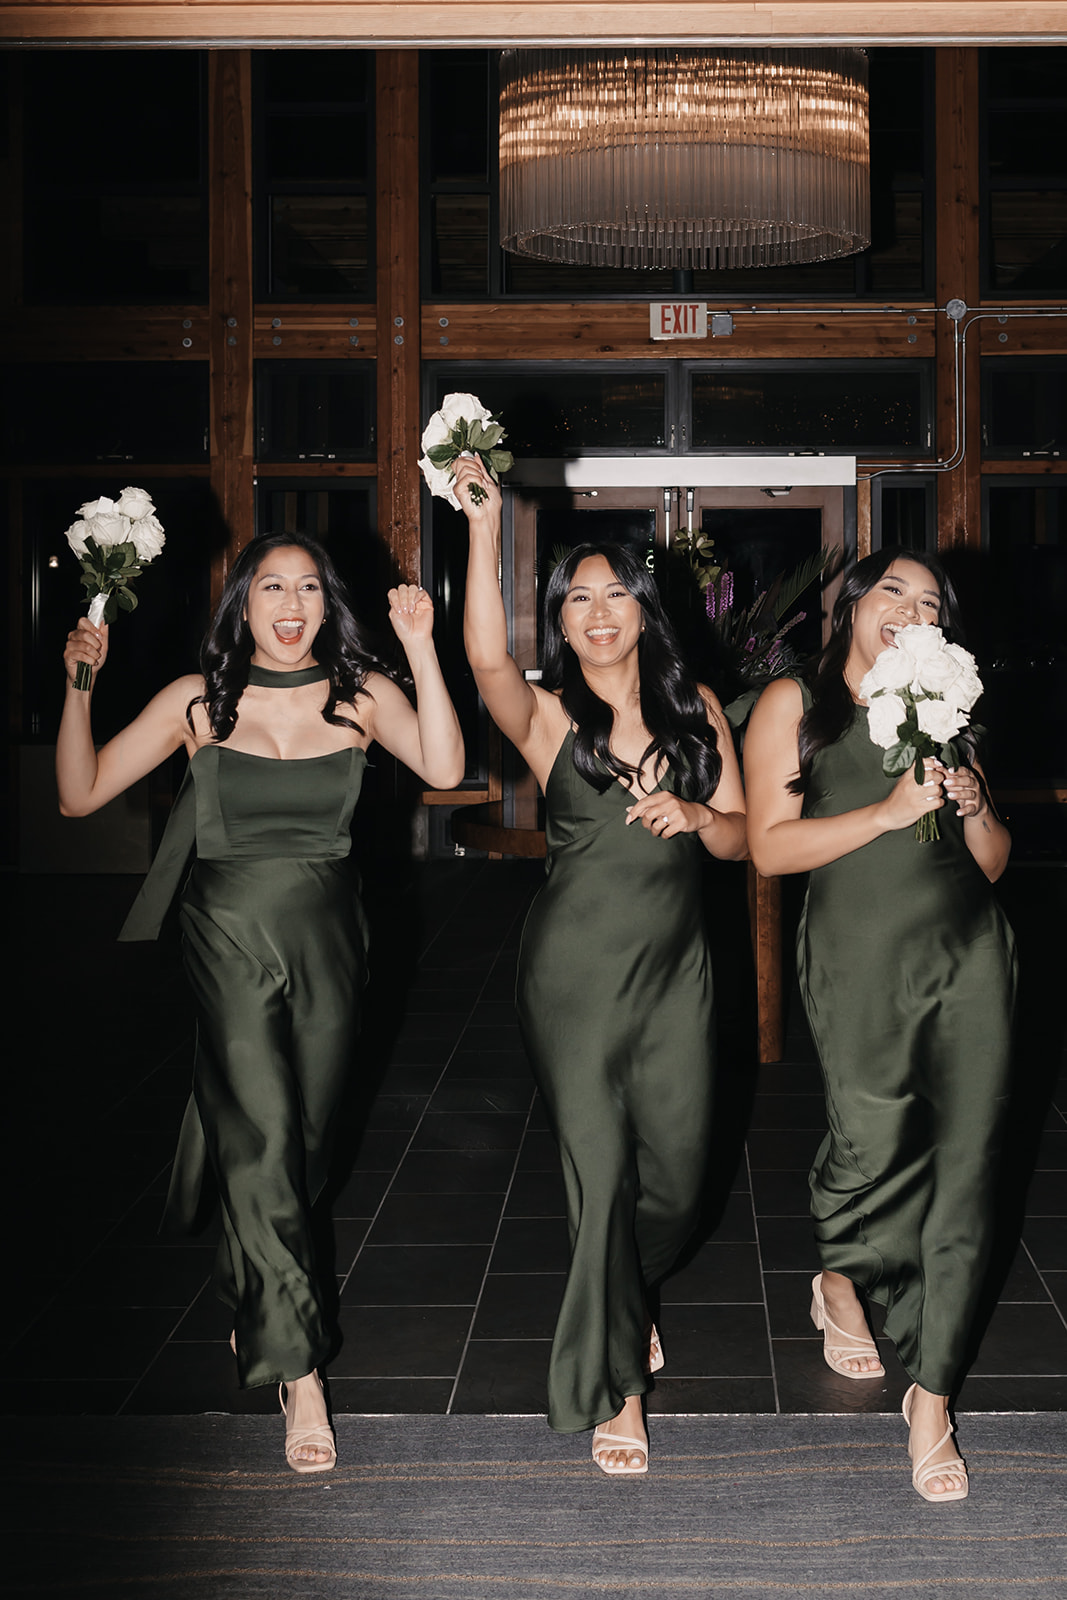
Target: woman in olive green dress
(277,730)
(907,971)
(614,986)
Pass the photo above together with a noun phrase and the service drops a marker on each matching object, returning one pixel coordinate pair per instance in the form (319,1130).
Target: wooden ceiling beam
(411,23)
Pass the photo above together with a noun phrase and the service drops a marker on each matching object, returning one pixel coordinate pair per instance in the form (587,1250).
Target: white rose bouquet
(114,540)
(919,695)
(463,426)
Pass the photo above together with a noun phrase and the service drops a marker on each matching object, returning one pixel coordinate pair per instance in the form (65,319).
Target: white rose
(938,674)
(134,503)
(939,719)
(76,538)
(463,407)
(440,479)
(892,669)
(96,508)
(884,715)
(146,536)
(108,528)
(968,685)
(920,640)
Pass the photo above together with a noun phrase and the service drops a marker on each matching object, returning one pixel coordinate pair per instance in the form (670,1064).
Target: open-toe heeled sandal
(839,1347)
(318,1437)
(603,1443)
(926,1468)
(655,1351)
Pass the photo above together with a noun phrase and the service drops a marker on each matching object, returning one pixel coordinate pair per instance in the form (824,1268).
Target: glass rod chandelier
(684,158)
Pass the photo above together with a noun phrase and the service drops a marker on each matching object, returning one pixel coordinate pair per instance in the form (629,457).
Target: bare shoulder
(781,703)
(712,703)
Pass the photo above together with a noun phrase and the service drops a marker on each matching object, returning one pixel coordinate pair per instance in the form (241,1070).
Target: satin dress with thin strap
(273,945)
(615,1004)
(907,970)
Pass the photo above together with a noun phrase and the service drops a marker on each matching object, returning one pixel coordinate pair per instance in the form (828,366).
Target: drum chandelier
(684,158)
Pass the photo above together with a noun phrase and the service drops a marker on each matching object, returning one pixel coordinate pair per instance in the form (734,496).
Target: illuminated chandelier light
(684,158)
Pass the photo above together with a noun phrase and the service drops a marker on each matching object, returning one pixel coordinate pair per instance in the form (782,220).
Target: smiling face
(284,610)
(601,620)
(905,595)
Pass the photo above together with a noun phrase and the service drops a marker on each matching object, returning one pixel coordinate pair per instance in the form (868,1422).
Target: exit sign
(678,319)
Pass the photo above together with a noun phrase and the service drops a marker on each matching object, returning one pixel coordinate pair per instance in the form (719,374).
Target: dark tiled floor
(449,1242)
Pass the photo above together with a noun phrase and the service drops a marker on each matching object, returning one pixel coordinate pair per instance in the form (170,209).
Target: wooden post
(399,429)
(959,500)
(231,322)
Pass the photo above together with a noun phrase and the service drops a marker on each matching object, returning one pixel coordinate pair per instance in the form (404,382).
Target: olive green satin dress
(274,948)
(907,969)
(615,1004)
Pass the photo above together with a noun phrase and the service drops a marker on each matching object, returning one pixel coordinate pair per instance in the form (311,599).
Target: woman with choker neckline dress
(277,729)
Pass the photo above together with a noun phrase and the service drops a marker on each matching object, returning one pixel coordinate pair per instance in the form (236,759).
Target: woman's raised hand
(907,801)
(410,612)
(86,643)
(469,470)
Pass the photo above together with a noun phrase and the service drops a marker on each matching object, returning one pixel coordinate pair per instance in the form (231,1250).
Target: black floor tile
(734,1223)
(806,1383)
(400,1342)
(1047,1196)
(479,1095)
(781,1194)
(106,1343)
(707,1341)
(506,1376)
(139,1276)
(539,1152)
(537,1194)
(1046,1240)
(719,1274)
(1023,1340)
(412,1275)
(531,1244)
(770,1150)
(1012,1394)
(784,1241)
(711,1396)
(382,1396)
(189,1378)
(361,1193)
(470,1131)
(399,1112)
(454,1172)
(59,1397)
(789,1112)
(436,1219)
(521,1305)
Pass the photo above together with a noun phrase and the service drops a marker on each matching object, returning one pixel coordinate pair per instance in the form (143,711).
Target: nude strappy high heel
(318,1437)
(925,1468)
(839,1347)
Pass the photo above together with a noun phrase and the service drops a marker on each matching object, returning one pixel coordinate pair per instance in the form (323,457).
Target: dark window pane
(329,147)
(321,411)
(313,76)
(543,279)
(561,411)
(148,647)
(113,116)
(131,248)
(906,515)
(1027,74)
(895,260)
(461,244)
(1029,241)
(319,246)
(106,411)
(457,114)
(1025,655)
(862,408)
(1024,407)
(1027,140)
(342,518)
(115,166)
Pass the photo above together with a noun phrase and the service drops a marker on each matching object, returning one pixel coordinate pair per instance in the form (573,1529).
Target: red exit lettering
(678,319)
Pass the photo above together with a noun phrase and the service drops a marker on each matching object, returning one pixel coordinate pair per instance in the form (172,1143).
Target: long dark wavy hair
(833,708)
(671,705)
(341,646)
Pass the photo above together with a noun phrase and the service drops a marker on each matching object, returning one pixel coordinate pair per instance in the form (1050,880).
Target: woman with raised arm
(907,971)
(614,986)
(277,730)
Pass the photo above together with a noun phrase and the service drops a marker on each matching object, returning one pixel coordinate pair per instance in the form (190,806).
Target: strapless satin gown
(274,948)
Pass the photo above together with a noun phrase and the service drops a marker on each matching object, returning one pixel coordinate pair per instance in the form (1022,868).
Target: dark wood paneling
(959,512)
(397,139)
(231,323)
(320,332)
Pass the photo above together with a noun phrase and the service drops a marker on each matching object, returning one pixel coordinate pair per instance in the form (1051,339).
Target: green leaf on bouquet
(950,755)
(897,759)
(487,436)
(501,460)
(441,455)
(918,772)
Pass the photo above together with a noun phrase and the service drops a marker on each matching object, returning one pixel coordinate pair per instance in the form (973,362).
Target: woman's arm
(721,826)
(984,834)
(86,778)
(426,737)
(781,840)
(530,718)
